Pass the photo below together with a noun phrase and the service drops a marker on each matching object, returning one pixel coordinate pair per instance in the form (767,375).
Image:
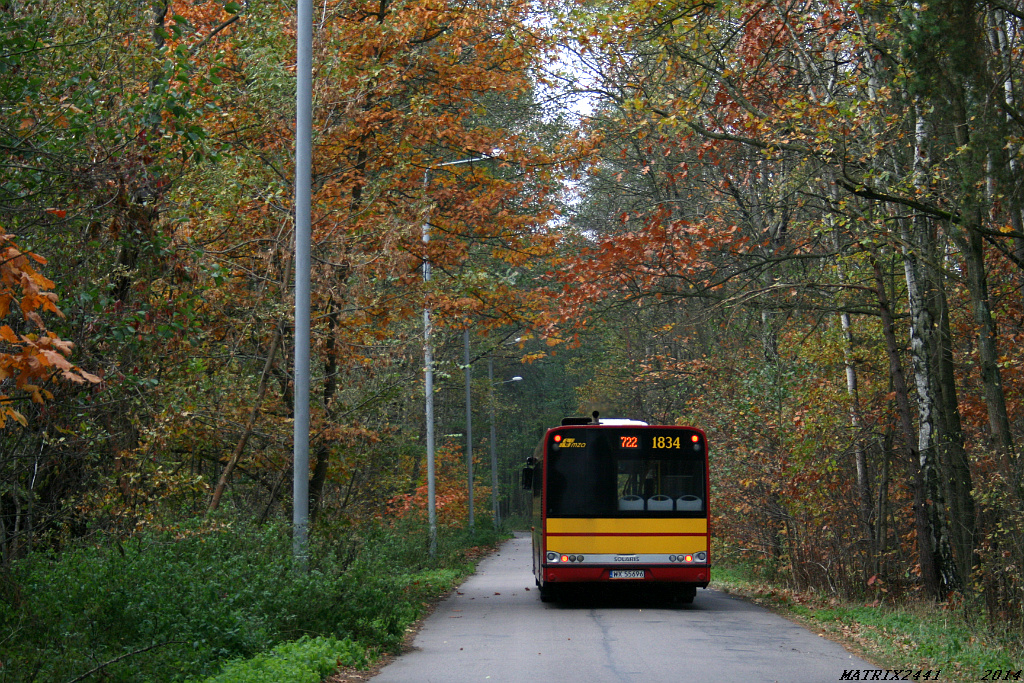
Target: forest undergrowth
(224,601)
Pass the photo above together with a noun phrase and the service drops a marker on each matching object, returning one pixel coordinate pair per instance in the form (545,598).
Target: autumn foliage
(451,497)
(31,357)
(796,225)
(801,215)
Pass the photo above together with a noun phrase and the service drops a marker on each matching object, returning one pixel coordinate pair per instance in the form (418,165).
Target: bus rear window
(627,472)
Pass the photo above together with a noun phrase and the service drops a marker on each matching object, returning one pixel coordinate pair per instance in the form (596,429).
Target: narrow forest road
(495,628)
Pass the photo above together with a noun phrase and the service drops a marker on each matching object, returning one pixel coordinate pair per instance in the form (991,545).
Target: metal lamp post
(469,429)
(428,362)
(303,236)
(494,445)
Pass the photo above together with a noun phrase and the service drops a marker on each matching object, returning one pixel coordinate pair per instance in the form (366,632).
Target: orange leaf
(88,376)
(56,359)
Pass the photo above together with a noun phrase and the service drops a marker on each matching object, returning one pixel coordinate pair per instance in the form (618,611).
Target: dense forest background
(797,225)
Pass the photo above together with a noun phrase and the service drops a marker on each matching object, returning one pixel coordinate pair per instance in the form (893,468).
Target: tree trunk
(320,468)
(988,354)
(922,332)
(922,520)
(859,454)
(953,461)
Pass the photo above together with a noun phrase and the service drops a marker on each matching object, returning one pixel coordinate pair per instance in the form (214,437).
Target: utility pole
(469,428)
(428,362)
(303,238)
(495,505)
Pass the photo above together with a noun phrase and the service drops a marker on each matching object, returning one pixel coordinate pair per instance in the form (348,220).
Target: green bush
(188,599)
(307,660)
(176,605)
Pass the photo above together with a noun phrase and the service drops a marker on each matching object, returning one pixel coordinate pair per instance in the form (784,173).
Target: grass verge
(955,639)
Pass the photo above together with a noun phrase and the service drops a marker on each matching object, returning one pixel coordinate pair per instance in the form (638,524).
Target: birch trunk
(922,520)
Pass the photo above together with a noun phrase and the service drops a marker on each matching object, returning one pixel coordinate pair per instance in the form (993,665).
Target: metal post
(494,451)
(494,442)
(428,388)
(303,237)
(469,429)
(428,362)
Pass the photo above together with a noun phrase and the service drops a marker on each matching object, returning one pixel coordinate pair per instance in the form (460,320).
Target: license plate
(627,573)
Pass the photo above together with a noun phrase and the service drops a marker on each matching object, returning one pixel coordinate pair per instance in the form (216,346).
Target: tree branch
(126,655)
(868,193)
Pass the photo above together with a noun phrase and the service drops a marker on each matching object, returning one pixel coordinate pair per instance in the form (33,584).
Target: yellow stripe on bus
(627,536)
(562,525)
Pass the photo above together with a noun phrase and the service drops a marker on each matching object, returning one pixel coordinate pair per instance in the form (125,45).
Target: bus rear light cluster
(689,557)
(556,557)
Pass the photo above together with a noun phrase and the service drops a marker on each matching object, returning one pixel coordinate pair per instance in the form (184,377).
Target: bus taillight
(689,558)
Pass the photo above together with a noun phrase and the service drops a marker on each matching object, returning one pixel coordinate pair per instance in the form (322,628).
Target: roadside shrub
(307,660)
(175,605)
(185,599)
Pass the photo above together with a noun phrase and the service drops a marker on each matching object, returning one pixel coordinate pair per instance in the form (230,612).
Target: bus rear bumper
(696,576)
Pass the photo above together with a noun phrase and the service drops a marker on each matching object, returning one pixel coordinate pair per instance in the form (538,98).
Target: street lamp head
(517,378)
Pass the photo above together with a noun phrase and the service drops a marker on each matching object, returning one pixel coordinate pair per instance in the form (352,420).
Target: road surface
(495,628)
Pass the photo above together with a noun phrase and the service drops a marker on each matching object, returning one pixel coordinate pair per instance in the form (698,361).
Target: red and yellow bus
(620,502)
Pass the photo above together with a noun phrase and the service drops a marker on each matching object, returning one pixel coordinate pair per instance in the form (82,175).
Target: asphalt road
(495,628)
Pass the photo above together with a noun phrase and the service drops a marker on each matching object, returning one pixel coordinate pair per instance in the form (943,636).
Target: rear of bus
(620,502)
